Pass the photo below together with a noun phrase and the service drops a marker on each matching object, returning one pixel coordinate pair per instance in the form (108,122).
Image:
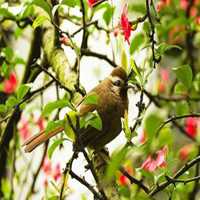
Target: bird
(111,106)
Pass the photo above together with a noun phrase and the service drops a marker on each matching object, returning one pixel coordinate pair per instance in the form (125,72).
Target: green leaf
(53,147)
(28,11)
(182,108)
(126,128)
(3,108)
(44,5)
(137,7)
(50,107)
(8,53)
(70,3)
(5,13)
(91,119)
(19,60)
(5,69)
(136,70)
(52,125)
(124,60)
(152,123)
(22,91)
(6,188)
(184,74)
(71,120)
(11,102)
(116,161)
(107,16)
(39,21)
(180,89)
(163,47)
(136,42)
(91,99)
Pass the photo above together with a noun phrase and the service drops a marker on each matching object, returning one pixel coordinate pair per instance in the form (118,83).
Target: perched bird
(111,106)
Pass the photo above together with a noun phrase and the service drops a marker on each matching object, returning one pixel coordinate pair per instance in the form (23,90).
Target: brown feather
(111,107)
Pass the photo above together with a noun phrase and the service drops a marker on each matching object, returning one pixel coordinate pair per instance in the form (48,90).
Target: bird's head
(118,79)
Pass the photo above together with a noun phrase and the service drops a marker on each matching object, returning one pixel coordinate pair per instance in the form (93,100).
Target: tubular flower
(91,3)
(40,122)
(151,163)
(57,172)
(10,84)
(24,129)
(122,179)
(125,24)
(185,151)
(47,166)
(191,126)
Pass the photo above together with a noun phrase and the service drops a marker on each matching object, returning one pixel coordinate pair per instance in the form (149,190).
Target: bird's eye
(117,83)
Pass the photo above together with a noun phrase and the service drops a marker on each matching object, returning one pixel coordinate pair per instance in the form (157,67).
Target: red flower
(161,87)
(10,84)
(164,79)
(91,3)
(191,126)
(184,4)
(24,129)
(57,172)
(125,24)
(185,151)
(151,164)
(47,166)
(123,180)
(40,122)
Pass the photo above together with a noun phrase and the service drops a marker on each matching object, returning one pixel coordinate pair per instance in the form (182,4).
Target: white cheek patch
(116,78)
(116,89)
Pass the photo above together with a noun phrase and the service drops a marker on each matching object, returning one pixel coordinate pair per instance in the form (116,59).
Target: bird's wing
(85,108)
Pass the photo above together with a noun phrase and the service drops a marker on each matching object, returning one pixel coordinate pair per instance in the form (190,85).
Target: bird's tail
(34,141)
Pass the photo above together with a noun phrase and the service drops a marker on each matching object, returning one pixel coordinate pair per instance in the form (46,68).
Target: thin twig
(163,185)
(174,119)
(134,180)
(88,52)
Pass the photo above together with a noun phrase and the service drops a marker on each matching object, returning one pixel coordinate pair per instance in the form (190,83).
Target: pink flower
(24,129)
(193,11)
(10,84)
(57,172)
(160,5)
(184,4)
(125,24)
(191,126)
(151,163)
(142,137)
(40,122)
(47,166)
(164,73)
(91,3)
